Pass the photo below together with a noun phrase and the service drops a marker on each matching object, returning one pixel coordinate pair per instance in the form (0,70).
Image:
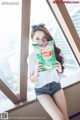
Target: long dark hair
(49,38)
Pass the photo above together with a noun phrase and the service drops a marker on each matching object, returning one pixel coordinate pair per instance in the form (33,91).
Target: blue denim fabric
(50,89)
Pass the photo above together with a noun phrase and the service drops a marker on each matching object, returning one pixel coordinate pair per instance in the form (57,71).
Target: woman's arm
(58,67)
(35,75)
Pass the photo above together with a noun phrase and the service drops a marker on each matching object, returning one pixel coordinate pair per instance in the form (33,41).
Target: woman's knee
(58,117)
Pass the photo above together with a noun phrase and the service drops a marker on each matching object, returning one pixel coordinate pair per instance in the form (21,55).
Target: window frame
(25,24)
(61,14)
(25,27)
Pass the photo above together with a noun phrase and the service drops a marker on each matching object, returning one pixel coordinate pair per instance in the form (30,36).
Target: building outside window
(74,12)
(10,35)
(10,40)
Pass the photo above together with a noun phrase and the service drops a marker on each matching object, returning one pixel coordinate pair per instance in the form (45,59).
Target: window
(74,12)
(4,102)
(41,13)
(10,36)
(13,42)
(2,97)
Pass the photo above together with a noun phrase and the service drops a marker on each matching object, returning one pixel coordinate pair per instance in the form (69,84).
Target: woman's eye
(37,38)
(44,39)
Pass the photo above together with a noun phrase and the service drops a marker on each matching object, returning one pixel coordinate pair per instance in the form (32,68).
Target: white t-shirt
(44,77)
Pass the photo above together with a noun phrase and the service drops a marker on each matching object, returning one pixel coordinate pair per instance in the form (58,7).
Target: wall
(73,99)
(31,112)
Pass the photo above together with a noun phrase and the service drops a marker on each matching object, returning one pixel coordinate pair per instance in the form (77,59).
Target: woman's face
(40,39)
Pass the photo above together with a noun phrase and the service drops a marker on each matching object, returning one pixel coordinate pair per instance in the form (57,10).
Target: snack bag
(46,56)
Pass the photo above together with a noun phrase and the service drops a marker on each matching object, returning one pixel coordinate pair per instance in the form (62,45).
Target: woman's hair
(49,38)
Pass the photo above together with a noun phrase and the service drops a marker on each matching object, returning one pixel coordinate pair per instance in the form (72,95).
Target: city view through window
(74,12)
(10,33)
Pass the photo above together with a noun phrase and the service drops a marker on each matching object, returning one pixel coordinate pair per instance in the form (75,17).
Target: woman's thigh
(49,105)
(59,99)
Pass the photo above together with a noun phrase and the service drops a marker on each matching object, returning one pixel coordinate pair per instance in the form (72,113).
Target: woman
(47,83)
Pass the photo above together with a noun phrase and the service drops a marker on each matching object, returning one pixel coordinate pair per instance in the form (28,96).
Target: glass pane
(10,33)
(5,102)
(41,13)
(74,12)
(2,97)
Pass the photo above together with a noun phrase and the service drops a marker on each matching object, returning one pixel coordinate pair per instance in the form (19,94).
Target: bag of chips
(46,56)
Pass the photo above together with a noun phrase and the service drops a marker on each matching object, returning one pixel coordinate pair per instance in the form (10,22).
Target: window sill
(8,106)
(65,83)
(70,80)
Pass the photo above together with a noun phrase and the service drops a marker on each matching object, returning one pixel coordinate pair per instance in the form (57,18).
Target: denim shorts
(50,89)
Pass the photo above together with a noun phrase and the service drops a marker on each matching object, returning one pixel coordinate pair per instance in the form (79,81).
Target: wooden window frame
(70,34)
(24,47)
(63,18)
(25,24)
(5,89)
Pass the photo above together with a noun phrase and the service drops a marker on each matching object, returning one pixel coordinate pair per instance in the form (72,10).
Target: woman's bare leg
(49,105)
(60,101)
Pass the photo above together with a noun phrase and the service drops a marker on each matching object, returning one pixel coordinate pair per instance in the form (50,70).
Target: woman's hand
(35,75)
(58,67)
(38,67)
